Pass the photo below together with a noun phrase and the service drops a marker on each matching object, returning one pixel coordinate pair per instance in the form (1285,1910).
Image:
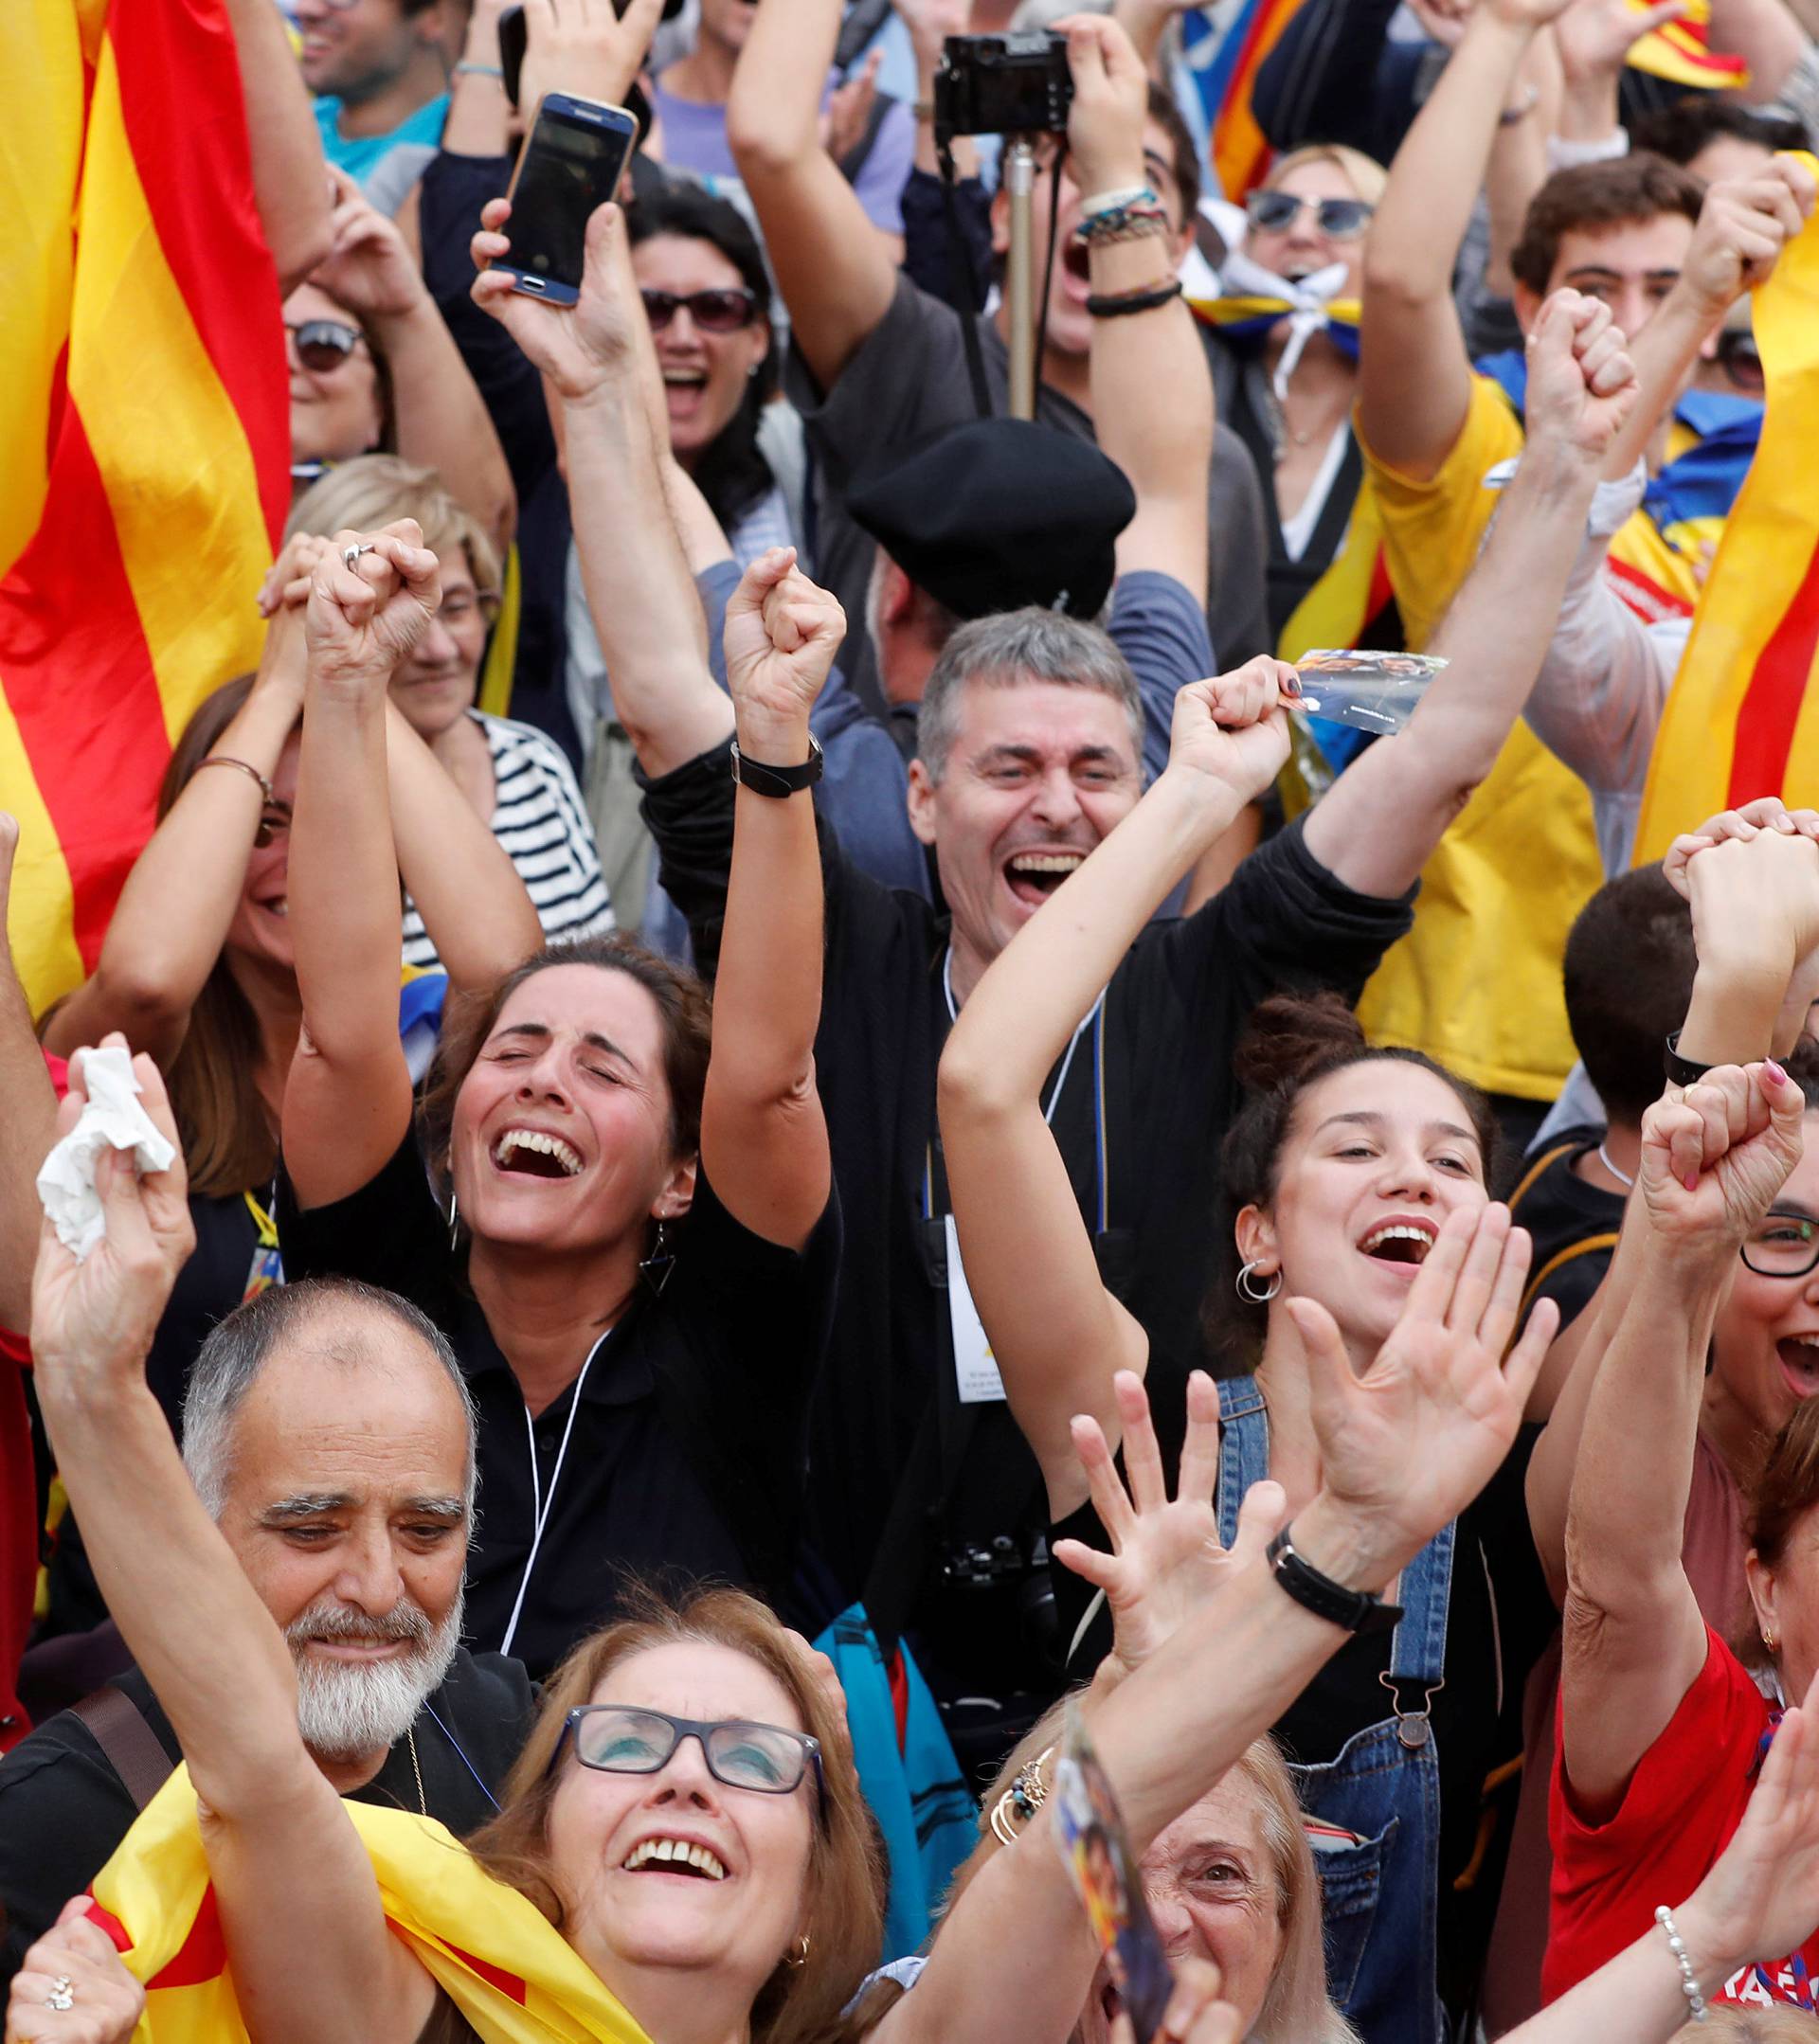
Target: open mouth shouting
(534,1152)
(1799,1358)
(1403,1240)
(677,1857)
(1033,875)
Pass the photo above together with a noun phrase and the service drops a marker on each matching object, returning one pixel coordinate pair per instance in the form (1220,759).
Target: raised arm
(313,1957)
(27,1113)
(597,359)
(441,418)
(1059,1343)
(1712,1162)
(1403,1447)
(1152,391)
(1381,818)
(290,179)
(1413,380)
(180,898)
(831,265)
(348,1100)
(764,1138)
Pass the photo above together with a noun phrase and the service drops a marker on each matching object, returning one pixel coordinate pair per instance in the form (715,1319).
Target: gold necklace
(411,1739)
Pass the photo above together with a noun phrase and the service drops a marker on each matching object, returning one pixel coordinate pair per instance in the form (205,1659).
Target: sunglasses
(324,344)
(713,312)
(1782,1246)
(1740,360)
(1339,219)
(619,1739)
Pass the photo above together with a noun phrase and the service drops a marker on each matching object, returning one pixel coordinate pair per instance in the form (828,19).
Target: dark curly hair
(1293,1042)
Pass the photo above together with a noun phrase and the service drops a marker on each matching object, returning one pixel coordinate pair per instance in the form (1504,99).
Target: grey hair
(1017,646)
(231,1359)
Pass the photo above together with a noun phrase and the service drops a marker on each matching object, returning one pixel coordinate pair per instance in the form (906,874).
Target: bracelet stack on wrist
(1688,1980)
(1117,199)
(1117,305)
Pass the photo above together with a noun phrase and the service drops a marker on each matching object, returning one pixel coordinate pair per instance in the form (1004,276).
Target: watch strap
(779,782)
(1357,1610)
(1680,1070)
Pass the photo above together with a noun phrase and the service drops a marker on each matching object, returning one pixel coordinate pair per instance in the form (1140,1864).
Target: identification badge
(1091,1834)
(975,1368)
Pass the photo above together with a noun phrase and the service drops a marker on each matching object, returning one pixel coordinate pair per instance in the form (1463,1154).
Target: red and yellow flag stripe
(1742,717)
(145,436)
(1680,52)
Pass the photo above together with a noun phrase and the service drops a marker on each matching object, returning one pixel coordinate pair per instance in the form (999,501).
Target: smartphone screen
(570,164)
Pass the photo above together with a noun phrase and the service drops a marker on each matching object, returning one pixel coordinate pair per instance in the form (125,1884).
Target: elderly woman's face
(1211,1884)
(335,405)
(1302,247)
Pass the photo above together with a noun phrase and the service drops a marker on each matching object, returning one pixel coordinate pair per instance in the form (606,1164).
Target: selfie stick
(1019,181)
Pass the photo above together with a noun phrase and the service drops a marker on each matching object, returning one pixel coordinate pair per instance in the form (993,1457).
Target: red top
(19,1530)
(1683,1801)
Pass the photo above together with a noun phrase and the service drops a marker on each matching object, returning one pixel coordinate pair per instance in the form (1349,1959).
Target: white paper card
(975,1369)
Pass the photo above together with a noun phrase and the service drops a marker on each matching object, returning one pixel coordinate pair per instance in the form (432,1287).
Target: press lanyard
(267,1267)
(1089,1020)
(540,1505)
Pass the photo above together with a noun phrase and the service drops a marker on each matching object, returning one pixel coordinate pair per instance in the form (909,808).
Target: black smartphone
(1003,85)
(572,162)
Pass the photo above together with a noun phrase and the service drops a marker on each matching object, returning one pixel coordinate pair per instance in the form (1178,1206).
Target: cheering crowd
(783,1117)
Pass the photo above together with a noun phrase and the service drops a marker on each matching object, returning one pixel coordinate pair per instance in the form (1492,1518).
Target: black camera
(1003,85)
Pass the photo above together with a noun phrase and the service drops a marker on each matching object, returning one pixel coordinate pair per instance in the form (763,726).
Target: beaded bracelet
(1139,227)
(1107,225)
(1689,1984)
(1112,202)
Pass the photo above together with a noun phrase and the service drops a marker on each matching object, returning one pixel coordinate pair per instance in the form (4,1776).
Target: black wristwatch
(1357,1610)
(778,781)
(1680,1070)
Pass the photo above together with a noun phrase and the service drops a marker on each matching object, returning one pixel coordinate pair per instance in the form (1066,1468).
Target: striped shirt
(539,817)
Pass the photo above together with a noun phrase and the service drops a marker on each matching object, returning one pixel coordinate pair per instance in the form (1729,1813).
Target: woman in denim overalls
(1340,1169)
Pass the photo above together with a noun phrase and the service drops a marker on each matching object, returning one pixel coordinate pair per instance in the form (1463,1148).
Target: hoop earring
(1251,1291)
(800,1956)
(657,1267)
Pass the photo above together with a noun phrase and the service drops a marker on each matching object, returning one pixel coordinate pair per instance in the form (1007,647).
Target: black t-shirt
(1498,1617)
(1574,1224)
(211,1284)
(909,380)
(64,1809)
(1160,1065)
(684,1456)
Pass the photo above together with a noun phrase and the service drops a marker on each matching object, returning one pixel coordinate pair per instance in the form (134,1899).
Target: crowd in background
(819,1129)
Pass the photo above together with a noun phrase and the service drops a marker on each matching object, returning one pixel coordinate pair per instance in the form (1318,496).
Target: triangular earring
(656,1267)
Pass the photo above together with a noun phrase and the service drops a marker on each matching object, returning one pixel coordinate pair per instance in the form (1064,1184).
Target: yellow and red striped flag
(144,434)
(1742,717)
(490,1950)
(1680,52)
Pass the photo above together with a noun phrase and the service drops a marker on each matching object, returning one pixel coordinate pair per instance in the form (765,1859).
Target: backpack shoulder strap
(127,1741)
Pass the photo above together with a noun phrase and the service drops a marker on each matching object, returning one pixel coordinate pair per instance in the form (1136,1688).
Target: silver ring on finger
(62,1995)
(350,554)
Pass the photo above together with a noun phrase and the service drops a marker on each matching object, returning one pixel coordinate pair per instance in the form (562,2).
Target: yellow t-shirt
(1476,982)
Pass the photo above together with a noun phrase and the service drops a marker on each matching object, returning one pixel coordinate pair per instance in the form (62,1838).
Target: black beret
(999,513)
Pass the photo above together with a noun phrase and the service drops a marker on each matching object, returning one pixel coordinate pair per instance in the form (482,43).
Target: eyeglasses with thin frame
(324,345)
(1782,1246)
(1339,219)
(714,312)
(617,1738)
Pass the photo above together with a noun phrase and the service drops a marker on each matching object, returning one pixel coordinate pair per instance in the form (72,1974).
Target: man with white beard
(329,1432)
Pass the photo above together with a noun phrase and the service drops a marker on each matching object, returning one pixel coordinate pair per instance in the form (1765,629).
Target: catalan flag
(1680,52)
(1742,717)
(491,1952)
(144,437)
(1224,49)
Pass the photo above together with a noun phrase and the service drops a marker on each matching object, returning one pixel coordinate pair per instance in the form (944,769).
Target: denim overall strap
(1418,1645)
(1244,1449)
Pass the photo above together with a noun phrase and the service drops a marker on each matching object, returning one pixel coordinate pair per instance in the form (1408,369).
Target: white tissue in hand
(111,1119)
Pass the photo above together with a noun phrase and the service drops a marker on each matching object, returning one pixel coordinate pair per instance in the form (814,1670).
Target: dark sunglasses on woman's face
(713,312)
(323,344)
(1339,219)
(1738,357)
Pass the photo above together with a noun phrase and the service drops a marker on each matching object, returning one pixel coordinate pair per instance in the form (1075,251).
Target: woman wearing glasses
(373,367)
(1287,378)
(708,297)
(517,778)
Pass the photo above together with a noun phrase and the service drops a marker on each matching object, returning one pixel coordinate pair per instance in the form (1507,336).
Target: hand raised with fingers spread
(1714,1159)
(73,1963)
(1595,36)
(92,1322)
(782,632)
(1232,730)
(579,347)
(370,601)
(586,47)
(1406,1445)
(1166,1561)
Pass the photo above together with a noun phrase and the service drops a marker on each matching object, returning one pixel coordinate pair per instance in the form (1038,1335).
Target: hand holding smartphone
(571,163)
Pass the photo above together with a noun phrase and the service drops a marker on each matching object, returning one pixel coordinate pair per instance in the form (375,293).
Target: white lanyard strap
(540,1505)
(1061,1077)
